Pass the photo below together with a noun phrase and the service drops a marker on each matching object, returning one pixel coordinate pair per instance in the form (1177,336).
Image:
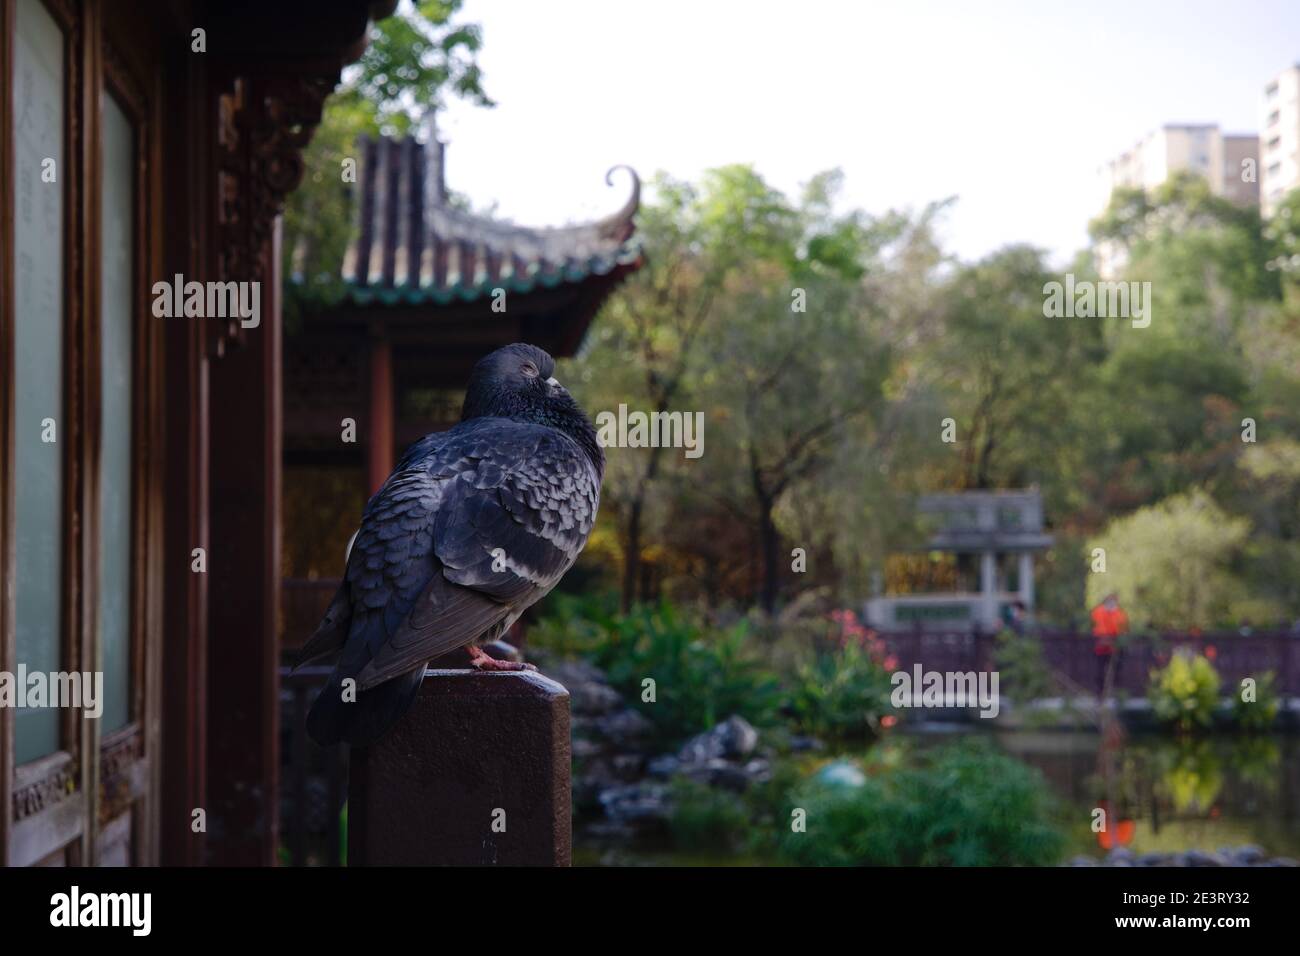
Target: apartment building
(1279,139)
(1228,161)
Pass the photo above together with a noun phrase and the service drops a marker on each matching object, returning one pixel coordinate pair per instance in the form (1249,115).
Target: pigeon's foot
(480,660)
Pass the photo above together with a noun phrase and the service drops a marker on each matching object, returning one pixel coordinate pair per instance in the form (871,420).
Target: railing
(1071,655)
(476,772)
(315,778)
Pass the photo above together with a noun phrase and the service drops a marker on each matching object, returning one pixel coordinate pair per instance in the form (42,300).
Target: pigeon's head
(518,382)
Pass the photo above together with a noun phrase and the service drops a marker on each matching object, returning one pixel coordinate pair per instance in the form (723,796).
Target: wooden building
(431,288)
(140,455)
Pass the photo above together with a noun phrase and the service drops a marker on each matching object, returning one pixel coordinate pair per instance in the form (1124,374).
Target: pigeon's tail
(359,722)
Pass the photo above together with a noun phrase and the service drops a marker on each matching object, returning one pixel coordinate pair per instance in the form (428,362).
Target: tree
(1172,564)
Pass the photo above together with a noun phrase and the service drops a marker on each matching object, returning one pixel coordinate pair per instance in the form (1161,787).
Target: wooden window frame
(48,811)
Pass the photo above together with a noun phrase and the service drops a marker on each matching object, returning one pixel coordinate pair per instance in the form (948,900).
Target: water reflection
(1167,794)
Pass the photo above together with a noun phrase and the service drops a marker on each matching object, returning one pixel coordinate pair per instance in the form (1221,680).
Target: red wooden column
(379,446)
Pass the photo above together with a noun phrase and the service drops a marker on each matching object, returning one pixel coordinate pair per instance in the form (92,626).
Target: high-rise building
(1227,161)
(1279,139)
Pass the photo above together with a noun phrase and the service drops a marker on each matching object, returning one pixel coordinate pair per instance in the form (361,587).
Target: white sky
(1012,105)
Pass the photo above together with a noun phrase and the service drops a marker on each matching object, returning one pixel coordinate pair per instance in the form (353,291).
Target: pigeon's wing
(332,633)
(511,516)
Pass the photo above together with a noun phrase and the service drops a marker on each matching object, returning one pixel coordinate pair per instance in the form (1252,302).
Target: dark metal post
(477,772)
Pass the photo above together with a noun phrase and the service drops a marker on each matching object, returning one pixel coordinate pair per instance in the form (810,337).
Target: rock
(637,803)
(800,744)
(1082,861)
(627,728)
(841,773)
(1153,859)
(589,693)
(717,773)
(628,766)
(734,737)
(1120,856)
(663,766)
(1248,855)
(1204,858)
(584,749)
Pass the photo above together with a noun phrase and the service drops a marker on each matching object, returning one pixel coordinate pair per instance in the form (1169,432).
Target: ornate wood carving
(59,784)
(116,761)
(264,124)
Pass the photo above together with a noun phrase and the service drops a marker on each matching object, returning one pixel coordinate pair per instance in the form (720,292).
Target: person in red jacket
(1108,622)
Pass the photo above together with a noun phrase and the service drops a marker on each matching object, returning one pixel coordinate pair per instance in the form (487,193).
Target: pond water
(1164,794)
(1169,794)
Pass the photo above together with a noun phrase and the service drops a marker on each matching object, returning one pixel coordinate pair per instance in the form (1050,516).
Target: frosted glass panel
(38,359)
(115,448)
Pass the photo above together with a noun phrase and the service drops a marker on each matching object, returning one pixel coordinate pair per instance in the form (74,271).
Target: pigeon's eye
(529,370)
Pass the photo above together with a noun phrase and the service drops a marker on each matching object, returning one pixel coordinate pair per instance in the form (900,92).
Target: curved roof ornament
(629,208)
(410,244)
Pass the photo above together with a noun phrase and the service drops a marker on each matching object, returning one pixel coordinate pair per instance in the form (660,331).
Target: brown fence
(1071,655)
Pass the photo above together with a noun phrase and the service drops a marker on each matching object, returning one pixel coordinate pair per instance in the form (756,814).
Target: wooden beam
(379,442)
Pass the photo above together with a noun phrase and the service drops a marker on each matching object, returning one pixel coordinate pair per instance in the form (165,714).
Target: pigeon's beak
(555,385)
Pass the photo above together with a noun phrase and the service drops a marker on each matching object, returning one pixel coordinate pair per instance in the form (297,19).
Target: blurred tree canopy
(1175,445)
(827,347)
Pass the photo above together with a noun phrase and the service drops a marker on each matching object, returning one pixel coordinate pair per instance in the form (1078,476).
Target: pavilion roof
(411,246)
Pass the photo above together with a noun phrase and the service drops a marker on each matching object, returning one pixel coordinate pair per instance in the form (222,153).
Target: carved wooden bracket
(264,124)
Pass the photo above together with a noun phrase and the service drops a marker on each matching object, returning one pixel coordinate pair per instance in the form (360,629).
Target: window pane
(115,448)
(38,359)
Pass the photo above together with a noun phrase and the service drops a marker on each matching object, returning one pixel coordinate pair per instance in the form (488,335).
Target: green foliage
(1193,239)
(1190,774)
(840,695)
(574,625)
(1172,563)
(707,818)
(1025,674)
(702,674)
(1260,713)
(1185,691)
(999,367)
(764,312)
(412,59)
(962,805)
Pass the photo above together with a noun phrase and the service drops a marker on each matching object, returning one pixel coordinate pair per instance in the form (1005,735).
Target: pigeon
(474,525)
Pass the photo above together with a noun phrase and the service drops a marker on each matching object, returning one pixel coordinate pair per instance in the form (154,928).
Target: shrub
(1259,713)
(961,805)
(575,625)
(1185,691)
(1025,673)
(840,694)
(705,818)
(702,675)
